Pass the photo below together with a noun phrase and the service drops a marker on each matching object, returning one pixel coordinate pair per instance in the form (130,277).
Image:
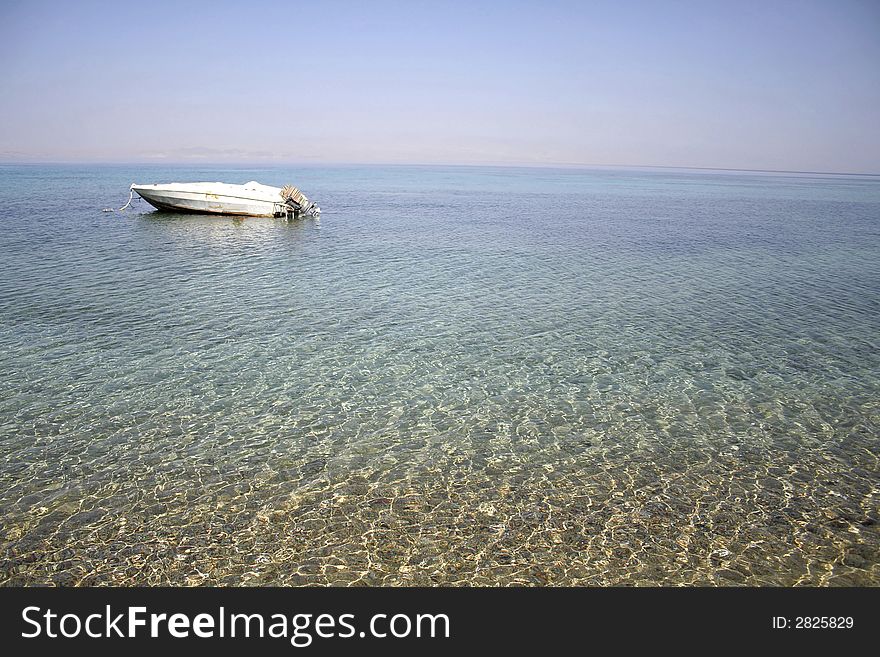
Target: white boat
(251,199)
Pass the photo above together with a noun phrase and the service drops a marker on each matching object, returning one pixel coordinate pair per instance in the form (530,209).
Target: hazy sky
(739,84)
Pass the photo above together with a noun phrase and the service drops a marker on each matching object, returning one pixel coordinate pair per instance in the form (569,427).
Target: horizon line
(512,165)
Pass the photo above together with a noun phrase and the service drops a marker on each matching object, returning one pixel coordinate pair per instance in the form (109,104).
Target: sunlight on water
(455,376)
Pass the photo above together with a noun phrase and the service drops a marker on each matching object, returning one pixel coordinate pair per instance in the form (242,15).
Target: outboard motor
(298,203)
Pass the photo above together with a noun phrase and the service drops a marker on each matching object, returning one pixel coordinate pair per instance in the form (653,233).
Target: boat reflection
(187,226)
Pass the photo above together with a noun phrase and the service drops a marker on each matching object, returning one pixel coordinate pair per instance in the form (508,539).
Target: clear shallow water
(455,376)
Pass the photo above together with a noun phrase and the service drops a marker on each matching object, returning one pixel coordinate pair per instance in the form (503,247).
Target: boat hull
(208,203)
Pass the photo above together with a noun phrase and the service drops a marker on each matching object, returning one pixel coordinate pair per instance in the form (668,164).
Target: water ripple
(457,376)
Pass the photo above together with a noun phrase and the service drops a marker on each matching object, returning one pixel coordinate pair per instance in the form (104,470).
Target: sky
(770,84)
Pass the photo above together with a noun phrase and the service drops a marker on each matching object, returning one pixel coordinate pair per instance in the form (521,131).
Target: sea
(477,376)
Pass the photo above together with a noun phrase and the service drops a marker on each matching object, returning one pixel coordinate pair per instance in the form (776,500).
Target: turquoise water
(456,375)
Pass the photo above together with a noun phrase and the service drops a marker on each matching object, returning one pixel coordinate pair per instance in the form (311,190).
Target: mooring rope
(130,197)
